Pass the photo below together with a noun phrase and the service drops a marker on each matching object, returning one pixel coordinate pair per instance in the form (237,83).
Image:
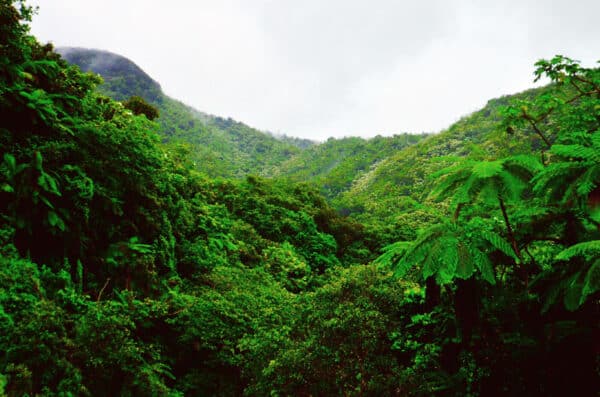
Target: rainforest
(149,249)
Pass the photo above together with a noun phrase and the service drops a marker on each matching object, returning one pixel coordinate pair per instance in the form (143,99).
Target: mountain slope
(377,181)
(391,192)
(218,146)
(335,164)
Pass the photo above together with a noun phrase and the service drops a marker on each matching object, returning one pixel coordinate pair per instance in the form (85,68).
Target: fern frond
(465,266)
(573,292)
(487,169)
(499,243)
(595,139)
(432,262)
(457,166)
(511,187)
(529,163)
(484,265)
(448,182)
(591,283)
(576,152)
(588,181)
(588,250)
(551,181)
(392,252)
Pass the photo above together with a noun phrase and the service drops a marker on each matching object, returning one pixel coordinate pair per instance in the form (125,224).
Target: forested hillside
(335,164)
(225,147)
(395,186)
(126,270)
(219,146)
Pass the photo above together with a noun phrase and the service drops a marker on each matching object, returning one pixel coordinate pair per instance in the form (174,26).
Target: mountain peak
(122,77)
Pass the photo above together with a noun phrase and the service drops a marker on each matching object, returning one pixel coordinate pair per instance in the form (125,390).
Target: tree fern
(498,181)
(469,179)
(447,252)
(580,278)
(574,173)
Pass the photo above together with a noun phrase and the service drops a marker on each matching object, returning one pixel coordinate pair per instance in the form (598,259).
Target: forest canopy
(127,270)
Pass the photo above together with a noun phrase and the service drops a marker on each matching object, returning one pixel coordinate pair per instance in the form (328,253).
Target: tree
(500,181)
(138,106)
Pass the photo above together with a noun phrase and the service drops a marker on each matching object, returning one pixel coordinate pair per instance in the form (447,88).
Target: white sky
(321,68)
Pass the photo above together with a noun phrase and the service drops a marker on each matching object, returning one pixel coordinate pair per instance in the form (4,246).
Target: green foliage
(219,147)
(138,105)
(584,278)
(125,271)
(338,163)
(447,252)
(338,342)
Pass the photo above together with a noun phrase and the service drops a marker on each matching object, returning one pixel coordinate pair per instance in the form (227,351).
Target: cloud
(317,69)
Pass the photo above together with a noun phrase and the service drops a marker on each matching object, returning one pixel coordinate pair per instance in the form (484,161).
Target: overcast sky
(321,68)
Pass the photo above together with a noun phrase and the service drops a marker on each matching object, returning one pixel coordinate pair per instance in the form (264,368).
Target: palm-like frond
(588,250)
(499,243)
(392,252)
(446,252)
(468,180)
(576,173)
(586,280)
(575,151)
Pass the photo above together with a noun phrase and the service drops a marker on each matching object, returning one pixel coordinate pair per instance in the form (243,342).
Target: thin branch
(532,122)
(590,82)
(509,230)
(577,87)
(102,290)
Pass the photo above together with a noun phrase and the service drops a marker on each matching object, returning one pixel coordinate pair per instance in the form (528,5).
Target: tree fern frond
(499,243)
(511,187)
(588,181)
(448,182)
(485,267)
(588,250)
(448,261)
(489,193)
(465,266)
(573,293)
(392,252)
(527,162)
(591,283)
(576,152)
(487,169)
(431,233)
(471,188)
(533,213)
(430,263)
(595,139)
(459,165)
(552,180)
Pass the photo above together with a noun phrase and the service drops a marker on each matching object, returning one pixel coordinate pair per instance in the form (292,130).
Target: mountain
(377,180)
(335,164)
(391,192)
(218,146)
(122,77)
(228,148)
(125,271)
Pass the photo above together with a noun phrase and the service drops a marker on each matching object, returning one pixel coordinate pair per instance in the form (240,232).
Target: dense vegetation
(220,147)
(335,164)
(126,271)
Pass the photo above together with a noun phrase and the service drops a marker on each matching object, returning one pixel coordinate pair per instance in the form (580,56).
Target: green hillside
(335,164)
(125,271)
(219,147)
(393,187)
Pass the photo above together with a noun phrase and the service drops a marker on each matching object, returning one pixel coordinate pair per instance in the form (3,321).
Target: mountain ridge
(222,147)
(229,148)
